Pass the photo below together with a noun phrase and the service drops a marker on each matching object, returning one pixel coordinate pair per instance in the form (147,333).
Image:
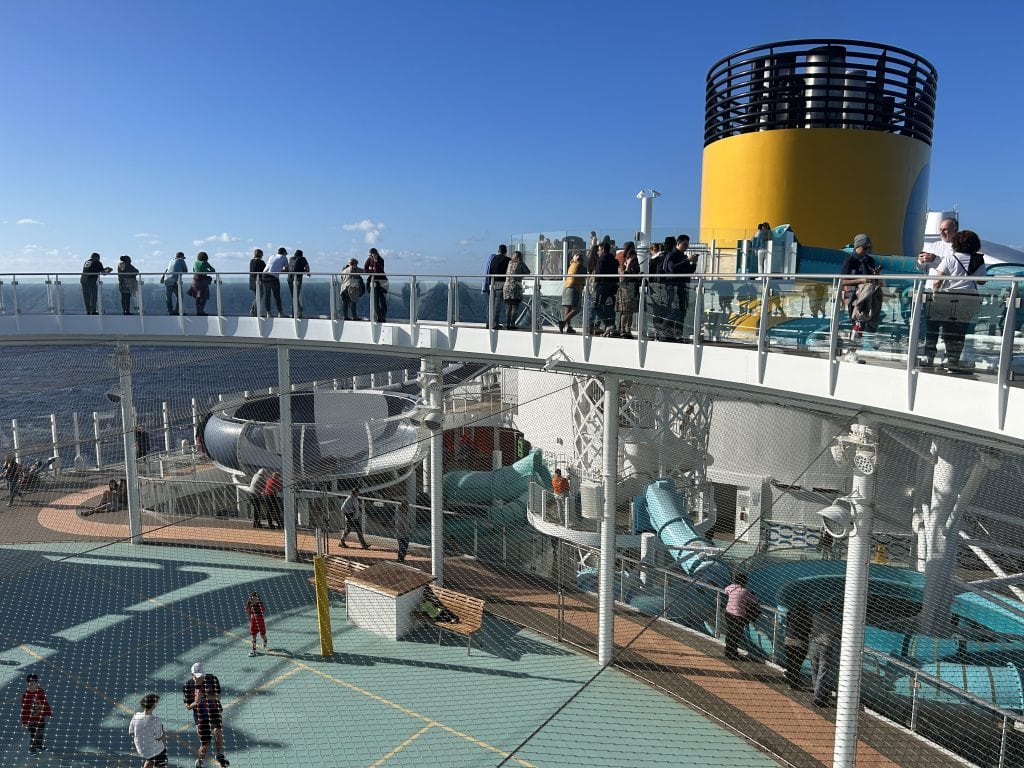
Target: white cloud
(29,221)
(223,237)
(371,231)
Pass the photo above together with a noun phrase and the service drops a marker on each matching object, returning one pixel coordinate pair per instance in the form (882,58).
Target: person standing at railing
(798,637)
(742,608)
(256,267)
(627,298)
(272,280)
(298,266)
(201,282)
(12,478)
(605,286)
(678,264)
(378,285)
(761,242)
(91,271)
(572,292)
(954,302)
(512,291)
(932,253)
(824,652)
(405,518)
(170,279)
(127,283)
(560,489)
(494,281)
(863,296)
(352,288)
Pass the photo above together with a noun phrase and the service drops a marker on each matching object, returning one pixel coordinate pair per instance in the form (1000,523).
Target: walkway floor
(121,620)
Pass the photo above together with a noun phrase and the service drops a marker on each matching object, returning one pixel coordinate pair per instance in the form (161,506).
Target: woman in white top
(954,301)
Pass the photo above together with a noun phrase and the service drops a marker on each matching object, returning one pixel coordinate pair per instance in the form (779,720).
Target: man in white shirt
(272,277)
(147,732)
(932,253)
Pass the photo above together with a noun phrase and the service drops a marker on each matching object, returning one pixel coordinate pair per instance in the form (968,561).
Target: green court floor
(102,625)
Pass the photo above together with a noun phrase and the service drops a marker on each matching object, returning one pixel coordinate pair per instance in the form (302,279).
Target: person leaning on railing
(954,302)
(572,292)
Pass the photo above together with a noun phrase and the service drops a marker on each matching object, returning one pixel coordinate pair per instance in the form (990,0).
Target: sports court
(102,624)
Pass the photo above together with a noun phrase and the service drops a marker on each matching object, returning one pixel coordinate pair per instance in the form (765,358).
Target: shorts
(257,625)
(571,297)
(205,726)
(158,760)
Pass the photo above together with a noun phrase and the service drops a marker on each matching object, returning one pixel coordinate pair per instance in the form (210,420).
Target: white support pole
(195,421)
(291,552)
(431,370)
(855,595)
(609,471)
(96,439)
(124,368)
(16,439)
(53,439)
(78,436)
(165,411)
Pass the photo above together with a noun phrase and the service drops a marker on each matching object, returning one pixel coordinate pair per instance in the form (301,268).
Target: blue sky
(431,130)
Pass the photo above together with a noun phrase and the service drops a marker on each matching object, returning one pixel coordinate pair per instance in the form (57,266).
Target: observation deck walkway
(787,338)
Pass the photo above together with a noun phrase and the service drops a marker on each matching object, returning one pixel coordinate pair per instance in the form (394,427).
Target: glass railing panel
(306,296)
(27,295)
(432,297)
(799,314)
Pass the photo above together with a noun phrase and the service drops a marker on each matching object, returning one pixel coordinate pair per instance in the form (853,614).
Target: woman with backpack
(954,301)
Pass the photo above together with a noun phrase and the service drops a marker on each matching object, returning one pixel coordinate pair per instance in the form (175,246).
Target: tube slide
(666,508)
(505,484)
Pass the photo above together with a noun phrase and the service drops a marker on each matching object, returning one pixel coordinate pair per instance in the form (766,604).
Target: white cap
(198,670)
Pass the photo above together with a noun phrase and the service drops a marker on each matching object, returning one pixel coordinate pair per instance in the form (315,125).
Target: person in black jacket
(91,271)
(256,267)
(297,267)
(494,282)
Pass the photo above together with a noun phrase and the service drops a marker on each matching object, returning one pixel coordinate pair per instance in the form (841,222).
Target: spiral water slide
(336,434)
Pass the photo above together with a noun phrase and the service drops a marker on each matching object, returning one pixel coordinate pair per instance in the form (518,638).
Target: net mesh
(714,492)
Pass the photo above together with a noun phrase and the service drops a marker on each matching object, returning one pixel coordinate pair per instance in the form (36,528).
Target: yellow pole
(323,606)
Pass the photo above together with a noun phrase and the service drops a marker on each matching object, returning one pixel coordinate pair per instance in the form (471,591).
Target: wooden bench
(468,610)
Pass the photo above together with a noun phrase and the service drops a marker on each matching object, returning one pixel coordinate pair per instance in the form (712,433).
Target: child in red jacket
(257,625)
(34,711)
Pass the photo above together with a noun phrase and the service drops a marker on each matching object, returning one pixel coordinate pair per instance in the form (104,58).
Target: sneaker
(570,329)
(199,764)
(264,646)
(343,544)
(223,761)
(561,327)
(365,545)
(927,361)
(252,652)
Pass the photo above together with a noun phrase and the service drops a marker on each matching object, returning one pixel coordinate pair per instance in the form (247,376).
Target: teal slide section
(505,484)
(666,508)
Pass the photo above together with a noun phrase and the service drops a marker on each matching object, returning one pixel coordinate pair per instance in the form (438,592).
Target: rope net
(729,591)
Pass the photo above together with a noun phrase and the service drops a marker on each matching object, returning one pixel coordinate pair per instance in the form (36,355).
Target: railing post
(96,438)
(775,634)
(53,437)
(1003,737)
(490,304)
(141,284)
(99,295)
(1006,354)
(453,294)
(586,323)
(220,304)
(16,439)
(535,309)
(413,308)
(58,294)
(332,289)
(718,613)
(915,685)
(14,294)
(476,538)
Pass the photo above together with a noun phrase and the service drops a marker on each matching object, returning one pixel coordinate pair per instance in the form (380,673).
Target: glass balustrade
(803,314)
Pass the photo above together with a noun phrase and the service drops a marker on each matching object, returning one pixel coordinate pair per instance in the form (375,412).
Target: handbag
(952,307)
